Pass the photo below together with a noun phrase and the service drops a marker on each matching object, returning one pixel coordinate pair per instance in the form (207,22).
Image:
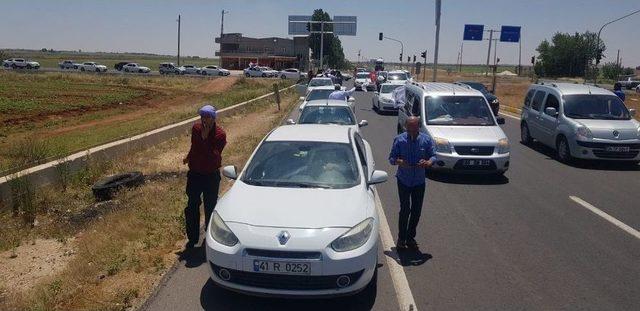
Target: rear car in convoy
(383,99)
(300,220)
(214,71)
(20,63)
(492,99)
(92,67)
(134,67)
(458,118)
(580,121)
(170,68)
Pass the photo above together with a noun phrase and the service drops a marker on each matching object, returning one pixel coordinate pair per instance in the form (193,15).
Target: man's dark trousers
(207,186)
(410,208)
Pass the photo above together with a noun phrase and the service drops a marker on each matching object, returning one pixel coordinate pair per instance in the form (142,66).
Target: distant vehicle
(320,82)
(270,72)
(492,99)
(170,68)
(360,69)
(383,101)
(347,76)
(291,73)
(630,83)
(118,66)
(68,64)
(190,69)
(214,71)
(467,135)
(20,63)
(256,72)
(397,77)
(333,112)
(134,67)
(319,236)
(322,93)
(580,121)
(92,66)
(363,81)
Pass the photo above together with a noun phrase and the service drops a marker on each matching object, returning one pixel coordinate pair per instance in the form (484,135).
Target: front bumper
(453,162)
(326,265)
(597,150)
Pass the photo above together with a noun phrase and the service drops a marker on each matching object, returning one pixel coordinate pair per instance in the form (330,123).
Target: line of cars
(267,72)
(86,66)
(322,240)
(209,70)
(20,63)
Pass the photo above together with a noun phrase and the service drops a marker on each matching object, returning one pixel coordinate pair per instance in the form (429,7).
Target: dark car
(119,65)
(492,99)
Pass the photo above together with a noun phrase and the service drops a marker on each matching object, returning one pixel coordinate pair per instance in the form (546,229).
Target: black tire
(140,71)
(283,77)
(247,75)
(82,69)
(220,73)
(525,134)
(97,69)
(14,66)
(264,75)
(204,73)
(563,151)
(28,66)
(105,188)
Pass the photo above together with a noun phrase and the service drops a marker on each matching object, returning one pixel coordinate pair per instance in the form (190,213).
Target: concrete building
(237,52)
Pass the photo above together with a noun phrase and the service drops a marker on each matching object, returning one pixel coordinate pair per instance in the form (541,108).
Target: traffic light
(401,57)
(423,54)
(408,59)
(414,58)
(533,60)
(380,36)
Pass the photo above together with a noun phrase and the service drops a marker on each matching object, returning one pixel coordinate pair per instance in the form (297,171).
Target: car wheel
(28,66)
(82,69)
(140,70)
(525,135)
(97,69)
(247,75)
(14,66)
(220,73)
(264,75)
(283,77)
(563,151)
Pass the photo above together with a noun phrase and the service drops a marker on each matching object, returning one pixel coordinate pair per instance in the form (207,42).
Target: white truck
(20,63)
(92,67)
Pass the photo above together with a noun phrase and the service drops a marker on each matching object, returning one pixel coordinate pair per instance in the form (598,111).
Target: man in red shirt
(203,179)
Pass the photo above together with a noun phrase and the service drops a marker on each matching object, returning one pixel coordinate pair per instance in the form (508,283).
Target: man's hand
(401,163)
(424,163)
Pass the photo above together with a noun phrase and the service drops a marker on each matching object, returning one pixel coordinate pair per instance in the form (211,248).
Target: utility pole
(321,43)
(489,52)
(435,53)
(221,33)
(461,50)
(495,51)
(520,55)
(178,39)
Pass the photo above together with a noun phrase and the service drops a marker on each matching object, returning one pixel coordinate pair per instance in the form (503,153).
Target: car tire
(264,75)
(563,151)
(247,75)
(97,69)
(283,77)
(14,66)
(139,70)
(105,188)
(220,73)
(28,66)
(82,69)
(525,134)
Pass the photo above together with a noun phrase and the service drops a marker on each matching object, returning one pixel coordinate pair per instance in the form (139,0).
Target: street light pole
(435,53)
(401,48)
(221,33)
(595,77)
(178,39)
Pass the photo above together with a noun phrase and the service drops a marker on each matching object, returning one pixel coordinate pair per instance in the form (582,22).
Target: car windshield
(303,165)
(397,76)
(458,110)
(362,75)
(601,107)
(388,88)
(318,94)
(383,74)
(327,115)
(320,82)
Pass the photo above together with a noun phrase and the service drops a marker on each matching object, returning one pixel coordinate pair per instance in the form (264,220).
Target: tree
(611,71)
(333,54)
(568,55)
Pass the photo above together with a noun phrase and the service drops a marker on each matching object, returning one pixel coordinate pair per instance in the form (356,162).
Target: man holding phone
(413,152)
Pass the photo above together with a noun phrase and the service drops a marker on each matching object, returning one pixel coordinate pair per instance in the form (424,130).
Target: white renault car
(300,220)
(319,82)
(329,111)
(383,100)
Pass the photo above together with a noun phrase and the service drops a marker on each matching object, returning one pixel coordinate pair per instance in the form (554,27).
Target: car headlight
(638,132)
(583,133)
(503,145)
(220,232)
(442,145)
(355,237)
(495,101)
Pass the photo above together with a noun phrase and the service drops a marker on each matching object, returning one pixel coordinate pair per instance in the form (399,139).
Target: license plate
(281,267)
(617,149)
(476,162)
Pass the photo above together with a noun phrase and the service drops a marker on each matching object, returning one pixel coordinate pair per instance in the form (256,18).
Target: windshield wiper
(302,185)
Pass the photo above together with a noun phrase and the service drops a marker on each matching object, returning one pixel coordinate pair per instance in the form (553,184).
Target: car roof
(397,71)
(441,88)
(321,78)
(566,88)
(311,132)
(327,102)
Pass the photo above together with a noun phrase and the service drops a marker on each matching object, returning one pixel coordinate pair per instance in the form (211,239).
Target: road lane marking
(606,216)
(509,115)
(400,283)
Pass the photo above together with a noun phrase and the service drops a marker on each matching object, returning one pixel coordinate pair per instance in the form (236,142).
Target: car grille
(283,254)
(286,282)
(615,155)
(474,150)
(460,166)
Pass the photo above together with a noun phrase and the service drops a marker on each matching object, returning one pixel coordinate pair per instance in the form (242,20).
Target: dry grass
(123,252)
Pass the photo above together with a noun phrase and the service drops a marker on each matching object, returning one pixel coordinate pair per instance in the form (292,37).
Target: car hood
(293,207)
(627,129)
(479,135)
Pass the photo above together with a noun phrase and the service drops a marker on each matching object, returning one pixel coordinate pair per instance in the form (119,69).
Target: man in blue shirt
(412,152)
(617,89)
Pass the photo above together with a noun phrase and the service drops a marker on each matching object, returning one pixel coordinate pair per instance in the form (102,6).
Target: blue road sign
(473,32)
(510,34)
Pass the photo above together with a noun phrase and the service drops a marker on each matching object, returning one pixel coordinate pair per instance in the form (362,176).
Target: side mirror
(291,122)
(632,112)
(377,177)
(301,89)
(351,99)
(551,111)
(229,171)
(500,120)
(363,123)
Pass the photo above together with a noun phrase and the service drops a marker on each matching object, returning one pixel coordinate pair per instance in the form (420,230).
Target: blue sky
(149,25)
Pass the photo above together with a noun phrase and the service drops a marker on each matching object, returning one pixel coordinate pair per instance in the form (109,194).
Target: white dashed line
(400,283)
(606,216)
(509,115)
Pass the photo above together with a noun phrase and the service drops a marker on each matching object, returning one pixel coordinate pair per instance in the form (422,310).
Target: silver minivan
(459,119)
(580,121)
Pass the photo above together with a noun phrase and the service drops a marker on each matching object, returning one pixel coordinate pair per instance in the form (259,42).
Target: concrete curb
(48,173)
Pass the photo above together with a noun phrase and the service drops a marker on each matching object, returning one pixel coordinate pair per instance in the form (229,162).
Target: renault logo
(616,133)
(475,150)
(283,237)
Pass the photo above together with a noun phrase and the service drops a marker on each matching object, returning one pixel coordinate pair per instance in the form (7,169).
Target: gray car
(580,121)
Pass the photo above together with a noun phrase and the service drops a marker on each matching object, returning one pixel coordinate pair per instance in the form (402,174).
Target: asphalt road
(516,242)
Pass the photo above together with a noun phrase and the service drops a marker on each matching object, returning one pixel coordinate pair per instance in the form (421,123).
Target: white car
(270,72)
(20,63)
(397,77)
(214,71)
(134,67)
(190,69)
(320,82)
(329,111)
(291,73)
(256,72)
(68,64)
(300,220)
(363,81)
(322,93)
(92,66)
(638,89)
(383,100)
